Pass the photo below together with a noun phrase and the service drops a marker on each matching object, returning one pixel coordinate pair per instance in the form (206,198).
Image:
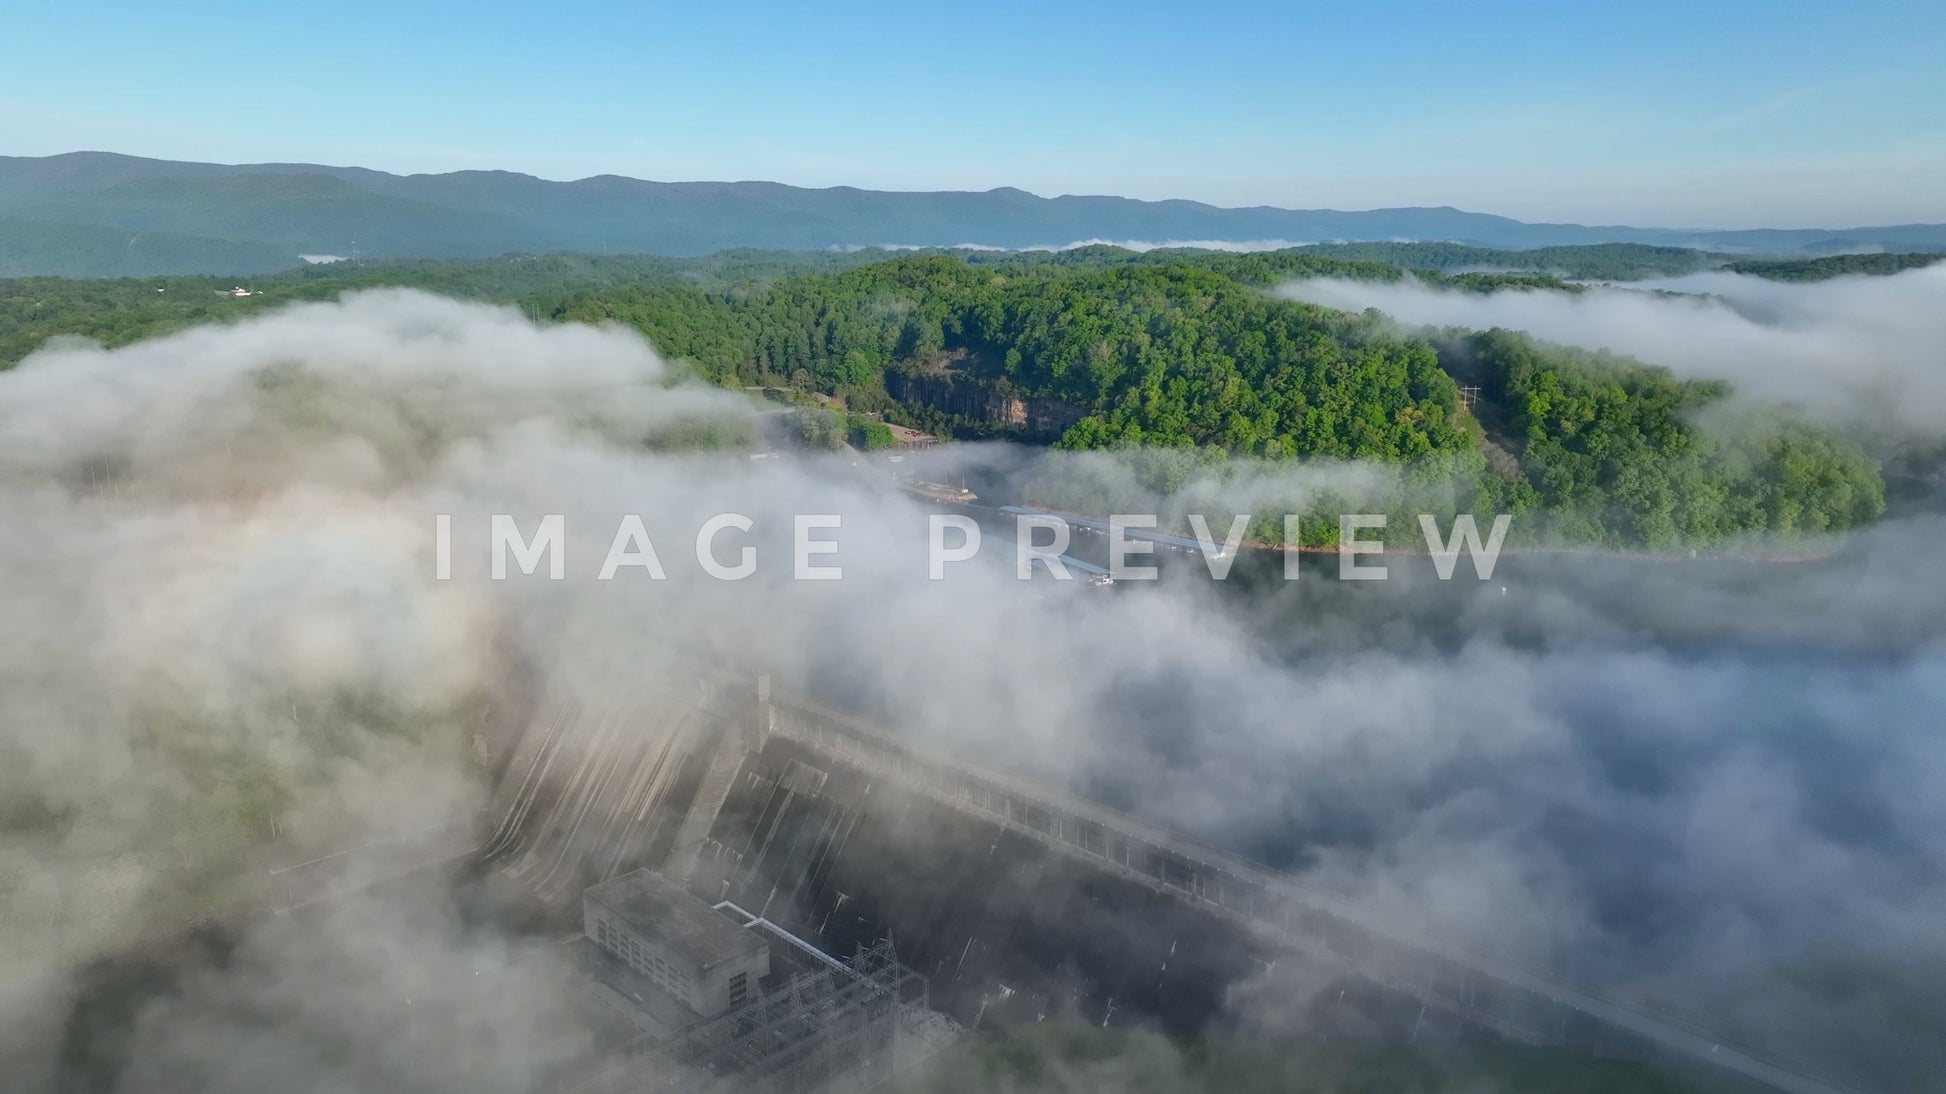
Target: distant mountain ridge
(104,214)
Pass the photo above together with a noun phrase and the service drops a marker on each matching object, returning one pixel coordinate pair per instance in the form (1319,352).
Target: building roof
(657,908)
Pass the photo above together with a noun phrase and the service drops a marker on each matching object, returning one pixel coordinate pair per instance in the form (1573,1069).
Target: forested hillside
(1594,262)
(1876,264)
(1612,451)
(1145,355)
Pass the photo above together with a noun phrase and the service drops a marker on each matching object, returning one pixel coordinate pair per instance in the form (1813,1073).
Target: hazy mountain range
(102,214)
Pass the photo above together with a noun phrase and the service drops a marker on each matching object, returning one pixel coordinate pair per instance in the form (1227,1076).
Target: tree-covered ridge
(1877,264)
(1179,356)
(33,309)
(1593,262)
(1144,355)
(1614,451)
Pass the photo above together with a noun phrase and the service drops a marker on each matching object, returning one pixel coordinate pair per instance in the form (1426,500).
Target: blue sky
(1692,114)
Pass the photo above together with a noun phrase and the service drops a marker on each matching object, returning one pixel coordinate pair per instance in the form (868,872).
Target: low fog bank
(227,652)
(1235,246)
(1861,352)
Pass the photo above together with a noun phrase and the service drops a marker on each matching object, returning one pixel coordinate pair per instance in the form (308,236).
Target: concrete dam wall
(1018,901)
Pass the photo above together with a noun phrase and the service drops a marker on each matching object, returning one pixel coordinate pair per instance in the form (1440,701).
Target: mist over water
(1867,353)
(1721,785)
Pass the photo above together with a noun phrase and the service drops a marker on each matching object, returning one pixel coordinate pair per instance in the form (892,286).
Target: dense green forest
(1149,354)
(1178,362)
(1612,451)
(1592,262)
(34,309)
(1820,269)
(1618,261)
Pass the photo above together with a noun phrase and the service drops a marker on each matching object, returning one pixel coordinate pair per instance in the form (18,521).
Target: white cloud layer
(1722,787)
(1856,350)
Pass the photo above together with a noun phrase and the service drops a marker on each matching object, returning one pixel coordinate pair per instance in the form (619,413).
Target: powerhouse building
(692,952)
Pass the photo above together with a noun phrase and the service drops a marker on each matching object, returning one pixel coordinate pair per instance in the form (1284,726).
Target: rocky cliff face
(1031,417)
